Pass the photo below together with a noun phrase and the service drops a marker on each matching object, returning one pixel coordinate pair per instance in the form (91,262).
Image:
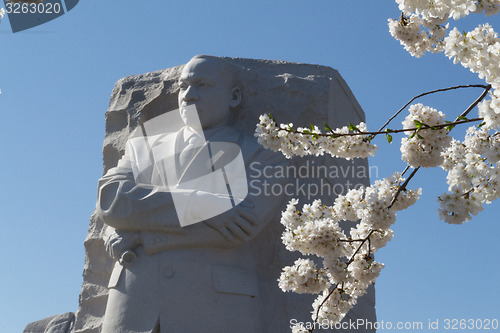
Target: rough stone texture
(56,324)
(291,92)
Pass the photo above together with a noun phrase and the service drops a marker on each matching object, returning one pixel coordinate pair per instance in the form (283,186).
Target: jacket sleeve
(125,205)
(150,210)
(238,225)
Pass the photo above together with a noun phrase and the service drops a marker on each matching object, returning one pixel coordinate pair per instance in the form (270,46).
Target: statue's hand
(120,241)
(237,228)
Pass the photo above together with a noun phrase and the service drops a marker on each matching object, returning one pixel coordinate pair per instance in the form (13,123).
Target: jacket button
(168,273)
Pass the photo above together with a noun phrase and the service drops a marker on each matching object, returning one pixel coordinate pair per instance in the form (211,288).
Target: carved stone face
(204,83)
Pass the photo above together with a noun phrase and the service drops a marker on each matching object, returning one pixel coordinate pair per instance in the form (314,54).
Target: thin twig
(463,114)
(476,102)
(351,240)
(360,246)
(363,241)
(412,129)
(319,307)
(433,92)
(404,171)
(402,187)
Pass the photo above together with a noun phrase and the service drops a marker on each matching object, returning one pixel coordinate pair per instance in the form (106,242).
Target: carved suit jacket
(220,276)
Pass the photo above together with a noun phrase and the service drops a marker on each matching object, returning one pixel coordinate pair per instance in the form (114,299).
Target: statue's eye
(183,86)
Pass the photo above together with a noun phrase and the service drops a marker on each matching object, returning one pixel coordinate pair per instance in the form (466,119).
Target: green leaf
(449,127)
(328,127)
(418,124)
(420,137)
(389,137)
(412,135)
(462,118)
(353,128)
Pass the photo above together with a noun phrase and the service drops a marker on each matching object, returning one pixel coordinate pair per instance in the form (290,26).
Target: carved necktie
(192,145)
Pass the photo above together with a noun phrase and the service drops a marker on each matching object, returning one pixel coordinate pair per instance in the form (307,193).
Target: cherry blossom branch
(420,29)
(360,133)
(420,126)
(476,102)
(363,241)
(486,87)
(320,306)
(451,125)
(360,246)
(405,170)
(403,186)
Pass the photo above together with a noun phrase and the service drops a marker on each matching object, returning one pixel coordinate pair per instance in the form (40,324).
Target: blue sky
(56,80)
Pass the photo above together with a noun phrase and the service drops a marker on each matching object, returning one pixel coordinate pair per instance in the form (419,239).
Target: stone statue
(154,264)
(205,275)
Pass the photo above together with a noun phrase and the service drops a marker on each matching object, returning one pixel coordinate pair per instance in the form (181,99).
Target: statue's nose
(189,94)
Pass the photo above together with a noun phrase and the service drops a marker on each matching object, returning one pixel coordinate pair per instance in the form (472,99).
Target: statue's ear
(235,97)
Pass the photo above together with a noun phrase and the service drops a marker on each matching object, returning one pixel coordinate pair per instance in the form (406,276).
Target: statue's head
(209,83)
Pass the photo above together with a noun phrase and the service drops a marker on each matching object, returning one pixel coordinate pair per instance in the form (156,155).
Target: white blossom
(457,206)
(424,147)
(303,277)
(422,28)
(332,306)
(439,8)
(453,155)
(336,270)
(345,206)
(348,263)
(490,110)
(419,36)
(473,175)
(311,141)
(477,50)
(365,270)
(490,7)
(299,328)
